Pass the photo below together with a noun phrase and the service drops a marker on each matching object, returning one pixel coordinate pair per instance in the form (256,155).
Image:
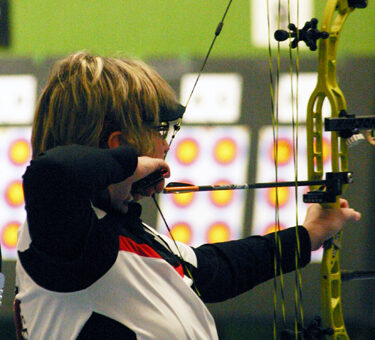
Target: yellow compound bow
(334,17)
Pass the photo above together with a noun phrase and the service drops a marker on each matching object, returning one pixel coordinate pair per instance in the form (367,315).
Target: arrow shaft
(195,188)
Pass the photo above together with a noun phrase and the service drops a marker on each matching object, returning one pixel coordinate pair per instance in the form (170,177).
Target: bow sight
(309,33)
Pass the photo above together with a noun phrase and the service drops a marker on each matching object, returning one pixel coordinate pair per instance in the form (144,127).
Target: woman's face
(161,146)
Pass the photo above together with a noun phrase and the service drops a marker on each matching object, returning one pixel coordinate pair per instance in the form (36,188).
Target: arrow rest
(309,34)
(332,189)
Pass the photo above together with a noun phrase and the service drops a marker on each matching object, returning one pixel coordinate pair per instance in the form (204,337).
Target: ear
(115,139)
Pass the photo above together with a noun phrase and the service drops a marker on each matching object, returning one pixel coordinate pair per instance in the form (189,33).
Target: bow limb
(334,17)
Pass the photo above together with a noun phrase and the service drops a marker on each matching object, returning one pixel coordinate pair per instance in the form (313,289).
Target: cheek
(160,148)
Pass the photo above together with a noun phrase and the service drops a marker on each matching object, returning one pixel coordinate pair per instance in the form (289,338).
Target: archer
(88,267)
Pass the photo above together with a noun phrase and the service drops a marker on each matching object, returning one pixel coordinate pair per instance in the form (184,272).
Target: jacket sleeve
(230,268)
(59,187)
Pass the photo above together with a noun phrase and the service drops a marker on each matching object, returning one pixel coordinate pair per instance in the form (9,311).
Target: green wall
(149,28)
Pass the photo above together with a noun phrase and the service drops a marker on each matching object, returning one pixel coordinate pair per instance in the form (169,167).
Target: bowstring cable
(177,127)
(183,262)
(298,297)
(275,130)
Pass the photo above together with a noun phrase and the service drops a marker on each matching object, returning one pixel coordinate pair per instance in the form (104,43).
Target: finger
(354,215)
(167,170)
(358,216)
(149,191)
(156,188)
(344,203)
(159,186)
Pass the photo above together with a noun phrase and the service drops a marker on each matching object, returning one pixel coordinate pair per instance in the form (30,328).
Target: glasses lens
(163,129)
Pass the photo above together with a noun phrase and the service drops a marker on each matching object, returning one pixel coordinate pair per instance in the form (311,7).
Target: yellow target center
(20,152)
(218,232)
(225,151)
(283,151)
(221,197)
(9,235)
(183,200)
(181,232)
(14,194)
(273,228)
(187,151)
(280,195)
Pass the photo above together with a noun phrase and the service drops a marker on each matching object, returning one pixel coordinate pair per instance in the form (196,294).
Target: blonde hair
(88,97)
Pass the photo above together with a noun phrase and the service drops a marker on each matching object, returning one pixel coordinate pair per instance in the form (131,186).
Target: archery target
(264,220)
(15,154)
(207,156)
(17,98)
(216,99)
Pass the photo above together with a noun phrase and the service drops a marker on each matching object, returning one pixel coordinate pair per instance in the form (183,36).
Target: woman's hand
(120,193)
(323,223)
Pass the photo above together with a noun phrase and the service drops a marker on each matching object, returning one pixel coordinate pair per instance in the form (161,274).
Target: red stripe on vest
(127,244)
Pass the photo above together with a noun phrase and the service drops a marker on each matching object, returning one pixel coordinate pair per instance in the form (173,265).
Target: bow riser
(334,17)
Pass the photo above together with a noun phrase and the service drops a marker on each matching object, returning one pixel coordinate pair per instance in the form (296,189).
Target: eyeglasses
(163,129)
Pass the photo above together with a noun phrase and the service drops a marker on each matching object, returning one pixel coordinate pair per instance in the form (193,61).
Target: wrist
(316,238)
